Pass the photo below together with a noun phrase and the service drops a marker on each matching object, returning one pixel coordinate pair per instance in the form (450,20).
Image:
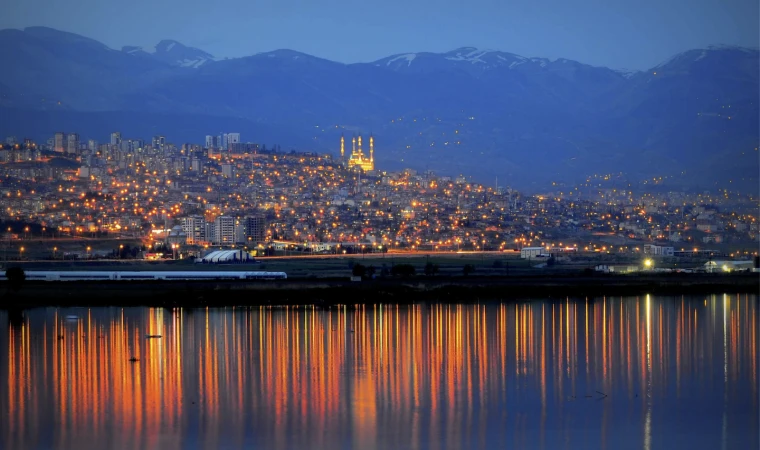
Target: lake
(608,373)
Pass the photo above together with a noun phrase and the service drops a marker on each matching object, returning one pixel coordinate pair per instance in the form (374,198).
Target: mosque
(357,159)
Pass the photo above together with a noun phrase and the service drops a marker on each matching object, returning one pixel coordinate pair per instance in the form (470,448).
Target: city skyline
(491,114)
(267,201)
(336,223)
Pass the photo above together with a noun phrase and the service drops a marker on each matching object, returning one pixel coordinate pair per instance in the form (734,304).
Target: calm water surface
(614,373)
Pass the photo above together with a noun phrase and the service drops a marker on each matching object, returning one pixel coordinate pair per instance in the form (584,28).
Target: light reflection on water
(668,372)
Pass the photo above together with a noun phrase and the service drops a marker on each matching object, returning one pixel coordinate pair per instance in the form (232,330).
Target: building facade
(241,148)
(224,230)
(59,142)
(533,252)
(657,250)
(72,144)
(232,138)
(195,229)
(254,229)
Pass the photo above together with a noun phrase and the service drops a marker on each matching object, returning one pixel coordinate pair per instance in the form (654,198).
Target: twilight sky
(632,34)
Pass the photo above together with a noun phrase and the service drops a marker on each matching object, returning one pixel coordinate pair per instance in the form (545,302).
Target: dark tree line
(127,252)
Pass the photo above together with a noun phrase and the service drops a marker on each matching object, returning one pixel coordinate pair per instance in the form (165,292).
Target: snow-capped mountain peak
(172,53)
(469,54)
(409,57)
(469,59)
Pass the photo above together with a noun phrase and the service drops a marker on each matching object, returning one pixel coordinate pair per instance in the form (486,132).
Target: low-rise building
(533,252)
(729,266)
(658,250)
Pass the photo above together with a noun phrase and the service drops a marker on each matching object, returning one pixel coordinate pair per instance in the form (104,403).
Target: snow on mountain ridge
(131,50)
(471,59)
(193,63)
(409,57)
(173,53)
(473,55)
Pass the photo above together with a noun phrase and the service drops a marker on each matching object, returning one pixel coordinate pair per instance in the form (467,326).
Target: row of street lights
(21,251)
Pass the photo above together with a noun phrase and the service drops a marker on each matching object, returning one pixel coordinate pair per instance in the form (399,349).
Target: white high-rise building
(59,142)
(72,144)
(115,138)
(210,141)
(194,228)
(224,230)
(232,138)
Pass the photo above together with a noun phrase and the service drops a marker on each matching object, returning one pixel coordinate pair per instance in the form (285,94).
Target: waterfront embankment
(329,292)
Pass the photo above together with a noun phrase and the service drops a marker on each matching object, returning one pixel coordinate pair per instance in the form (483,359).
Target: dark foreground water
(638,373)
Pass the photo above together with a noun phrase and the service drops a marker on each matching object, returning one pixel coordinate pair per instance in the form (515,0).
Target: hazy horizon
(148,49)
(622,36)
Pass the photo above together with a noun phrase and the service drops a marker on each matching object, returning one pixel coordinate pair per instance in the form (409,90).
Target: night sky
(618,34)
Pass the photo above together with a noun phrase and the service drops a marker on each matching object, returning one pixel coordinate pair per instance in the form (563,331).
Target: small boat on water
(72,317)
(153,336)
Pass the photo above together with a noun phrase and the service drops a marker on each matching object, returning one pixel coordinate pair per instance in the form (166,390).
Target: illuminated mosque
(357,157)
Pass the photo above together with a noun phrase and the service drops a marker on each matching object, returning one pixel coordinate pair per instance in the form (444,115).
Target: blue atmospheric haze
(694,115)
(612,33)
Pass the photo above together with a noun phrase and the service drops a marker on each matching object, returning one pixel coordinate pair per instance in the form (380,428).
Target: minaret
(359,142)
(371,148)
(342,146)
(353,146)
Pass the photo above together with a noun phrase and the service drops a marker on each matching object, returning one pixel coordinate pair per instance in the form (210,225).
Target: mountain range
(529,121)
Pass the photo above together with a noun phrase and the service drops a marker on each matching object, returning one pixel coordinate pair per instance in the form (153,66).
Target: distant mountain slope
(467,59)
(54,69)
(484,113)
(172,53)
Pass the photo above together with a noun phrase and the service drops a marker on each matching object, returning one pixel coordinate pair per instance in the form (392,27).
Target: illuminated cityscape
(349,373)
(424,225)
(263,199)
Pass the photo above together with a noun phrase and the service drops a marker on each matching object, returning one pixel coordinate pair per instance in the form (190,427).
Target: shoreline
(331,292)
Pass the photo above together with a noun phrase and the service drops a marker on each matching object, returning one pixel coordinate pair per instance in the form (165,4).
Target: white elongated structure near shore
(50,275)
